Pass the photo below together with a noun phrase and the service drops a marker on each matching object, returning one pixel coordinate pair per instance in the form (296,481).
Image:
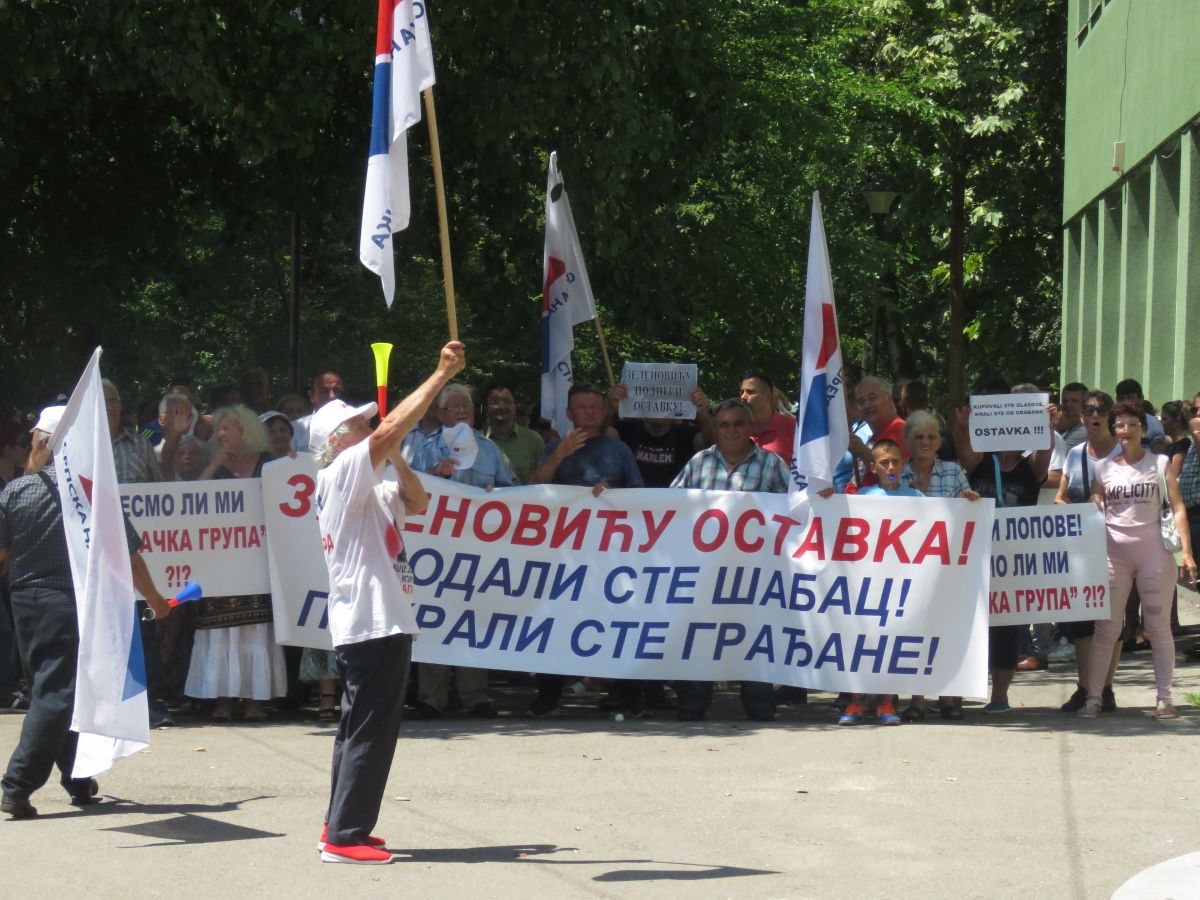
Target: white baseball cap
(325,421)
(49,419)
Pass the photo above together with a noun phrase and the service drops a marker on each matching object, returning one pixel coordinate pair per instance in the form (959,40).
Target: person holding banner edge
(371,621)
(33,546)
(587,457)
(734,463)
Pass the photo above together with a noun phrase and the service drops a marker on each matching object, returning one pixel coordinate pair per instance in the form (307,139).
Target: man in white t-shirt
(371,617)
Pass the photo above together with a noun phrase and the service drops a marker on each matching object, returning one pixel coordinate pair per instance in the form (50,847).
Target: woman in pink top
(1126,487)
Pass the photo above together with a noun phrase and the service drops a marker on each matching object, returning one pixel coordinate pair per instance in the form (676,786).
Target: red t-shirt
(778,436)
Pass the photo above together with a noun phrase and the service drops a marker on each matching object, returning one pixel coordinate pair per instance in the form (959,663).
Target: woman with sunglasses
(1127,488)
(1079,473)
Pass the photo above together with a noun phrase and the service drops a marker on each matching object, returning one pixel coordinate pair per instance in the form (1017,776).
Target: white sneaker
(1062,652)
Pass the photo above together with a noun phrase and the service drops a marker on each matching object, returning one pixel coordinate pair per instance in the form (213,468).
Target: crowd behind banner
(232,656)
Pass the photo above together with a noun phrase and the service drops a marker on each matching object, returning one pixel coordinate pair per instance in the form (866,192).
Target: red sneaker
(356,854)
(372,841)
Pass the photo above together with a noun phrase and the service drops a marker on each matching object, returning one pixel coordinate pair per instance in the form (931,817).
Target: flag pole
(604,352)
(443,223)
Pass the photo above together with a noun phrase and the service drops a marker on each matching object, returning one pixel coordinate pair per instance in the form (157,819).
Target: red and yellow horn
(382,353)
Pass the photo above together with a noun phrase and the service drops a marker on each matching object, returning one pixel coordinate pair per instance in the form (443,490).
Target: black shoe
(690,715)
(1076,700)
(84,794)
(425,711)
(659,696)
(1108,700)
(612,703)
(17,807)
(483,710)
(761,716)
(786,693)
(637,712)
(543,709)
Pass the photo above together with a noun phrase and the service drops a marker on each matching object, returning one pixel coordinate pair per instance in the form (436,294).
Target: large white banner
(209,532)
(299,579)
(1049,564)
(870,594)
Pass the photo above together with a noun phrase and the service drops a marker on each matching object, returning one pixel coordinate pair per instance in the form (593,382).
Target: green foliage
(153,155)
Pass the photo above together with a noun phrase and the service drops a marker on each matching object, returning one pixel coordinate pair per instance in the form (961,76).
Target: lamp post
(879,202)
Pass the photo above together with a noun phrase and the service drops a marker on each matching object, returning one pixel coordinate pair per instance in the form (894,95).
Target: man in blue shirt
(587,457)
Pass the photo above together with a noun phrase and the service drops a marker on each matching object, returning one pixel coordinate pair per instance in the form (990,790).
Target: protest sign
(871,594)
(658,391)
(1009,422)
(1048,565)
(210,532)
(299,579)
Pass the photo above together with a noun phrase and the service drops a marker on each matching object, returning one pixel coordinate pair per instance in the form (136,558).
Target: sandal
(253,712)
(954,711)
(222,710)
(913,714)
(328,713)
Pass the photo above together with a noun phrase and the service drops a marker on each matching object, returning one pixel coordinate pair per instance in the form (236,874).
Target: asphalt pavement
(1034,803)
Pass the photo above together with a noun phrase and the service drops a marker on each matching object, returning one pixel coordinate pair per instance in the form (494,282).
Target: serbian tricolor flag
(822,433)
(403,68)
(110,712)
(566,299)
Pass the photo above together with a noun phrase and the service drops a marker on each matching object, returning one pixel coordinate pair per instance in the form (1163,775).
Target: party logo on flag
(110,712)
(822,432)
(566,298)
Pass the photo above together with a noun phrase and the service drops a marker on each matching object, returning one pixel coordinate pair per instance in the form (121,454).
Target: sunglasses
(1092,409)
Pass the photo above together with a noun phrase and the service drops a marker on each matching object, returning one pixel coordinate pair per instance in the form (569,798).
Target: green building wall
(1131,266)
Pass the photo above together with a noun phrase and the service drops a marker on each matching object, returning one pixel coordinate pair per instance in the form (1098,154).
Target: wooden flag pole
(443,222)
(604,352)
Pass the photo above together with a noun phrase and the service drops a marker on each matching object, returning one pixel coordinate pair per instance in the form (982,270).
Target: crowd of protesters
(218,658)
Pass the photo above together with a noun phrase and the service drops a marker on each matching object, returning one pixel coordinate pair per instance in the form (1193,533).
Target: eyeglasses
(456,408)
(1093,410)
(1126,425)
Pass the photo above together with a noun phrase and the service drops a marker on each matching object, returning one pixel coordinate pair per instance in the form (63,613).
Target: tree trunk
(956,349)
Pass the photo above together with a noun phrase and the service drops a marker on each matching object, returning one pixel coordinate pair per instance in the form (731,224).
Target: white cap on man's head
(325,421)
(49,419)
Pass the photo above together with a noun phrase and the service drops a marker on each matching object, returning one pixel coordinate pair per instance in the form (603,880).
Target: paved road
(1035,803)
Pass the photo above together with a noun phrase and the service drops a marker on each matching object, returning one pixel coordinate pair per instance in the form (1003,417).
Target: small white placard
(659,391)
(1009,422)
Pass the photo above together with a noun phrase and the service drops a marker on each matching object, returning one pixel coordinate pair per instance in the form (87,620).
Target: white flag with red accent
(822,432)
(403,68)
(110,711)
(566,298)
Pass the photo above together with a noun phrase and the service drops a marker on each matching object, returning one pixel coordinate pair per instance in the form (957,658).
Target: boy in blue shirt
(887,464)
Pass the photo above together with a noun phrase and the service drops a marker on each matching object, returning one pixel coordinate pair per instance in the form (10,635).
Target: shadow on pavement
(534,853)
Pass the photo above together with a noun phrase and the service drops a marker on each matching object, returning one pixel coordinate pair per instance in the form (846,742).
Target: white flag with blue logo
(110,686)
(567,298)
(822,432)
(403,68)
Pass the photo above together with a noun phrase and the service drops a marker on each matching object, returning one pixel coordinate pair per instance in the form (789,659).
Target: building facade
(1131,196)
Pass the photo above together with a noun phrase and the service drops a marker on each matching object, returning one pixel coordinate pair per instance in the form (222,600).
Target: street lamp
(879,202)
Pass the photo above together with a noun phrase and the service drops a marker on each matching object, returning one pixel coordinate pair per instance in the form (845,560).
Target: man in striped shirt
(734,463)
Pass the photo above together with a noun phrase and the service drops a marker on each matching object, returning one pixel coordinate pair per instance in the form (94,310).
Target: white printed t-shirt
(370,583)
